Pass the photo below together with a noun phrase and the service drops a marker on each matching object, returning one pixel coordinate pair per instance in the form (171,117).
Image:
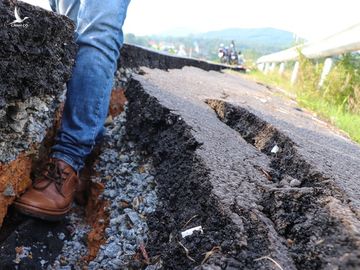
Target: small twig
(268,176)
(270,259)
(186,252)
(210,253)
(144,253)
(187,223)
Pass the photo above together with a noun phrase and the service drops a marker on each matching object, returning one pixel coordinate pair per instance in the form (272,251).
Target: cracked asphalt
(323,146)
(313,226)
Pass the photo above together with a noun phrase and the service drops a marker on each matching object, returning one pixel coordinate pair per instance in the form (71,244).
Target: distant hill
(265,36)
(253,42)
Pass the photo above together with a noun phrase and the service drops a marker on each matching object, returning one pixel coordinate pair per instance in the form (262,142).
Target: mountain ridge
(266,35)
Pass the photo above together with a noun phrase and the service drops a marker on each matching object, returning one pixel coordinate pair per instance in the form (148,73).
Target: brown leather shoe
(51,194)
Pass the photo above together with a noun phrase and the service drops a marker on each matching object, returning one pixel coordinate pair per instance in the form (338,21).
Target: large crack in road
(304,205)
(294,215)
(184,190)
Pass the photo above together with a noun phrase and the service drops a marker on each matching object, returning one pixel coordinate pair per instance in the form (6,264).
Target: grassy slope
(346,121)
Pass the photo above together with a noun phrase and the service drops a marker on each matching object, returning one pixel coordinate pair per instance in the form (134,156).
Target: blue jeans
(99,37)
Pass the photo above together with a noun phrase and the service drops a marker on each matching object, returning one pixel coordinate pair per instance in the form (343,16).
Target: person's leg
(99,36)
(69,8)
(52,4)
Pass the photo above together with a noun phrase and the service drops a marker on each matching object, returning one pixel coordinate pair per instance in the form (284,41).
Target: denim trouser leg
(99,36)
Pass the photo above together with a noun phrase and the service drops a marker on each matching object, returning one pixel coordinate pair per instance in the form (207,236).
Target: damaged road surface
(203,169)
(271,186)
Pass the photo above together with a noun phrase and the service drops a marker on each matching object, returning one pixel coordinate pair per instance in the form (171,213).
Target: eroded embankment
(307,209)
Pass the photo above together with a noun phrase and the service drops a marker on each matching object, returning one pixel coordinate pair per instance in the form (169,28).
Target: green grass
(272,79)
(325,106)
(346,121)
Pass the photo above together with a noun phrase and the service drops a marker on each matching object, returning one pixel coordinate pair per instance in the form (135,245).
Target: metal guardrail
(342,42)
(345,41)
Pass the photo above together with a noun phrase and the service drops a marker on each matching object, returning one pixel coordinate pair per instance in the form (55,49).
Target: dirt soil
(31,243)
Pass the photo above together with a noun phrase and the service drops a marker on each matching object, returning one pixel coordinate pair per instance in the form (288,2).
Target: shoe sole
(41,214)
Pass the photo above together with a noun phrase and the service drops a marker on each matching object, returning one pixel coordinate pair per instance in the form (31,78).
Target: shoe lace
(55,175)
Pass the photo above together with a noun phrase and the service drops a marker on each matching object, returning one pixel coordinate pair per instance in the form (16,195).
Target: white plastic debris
(191,231)
(263,100)
(61,236)
(275,149)
(43,262)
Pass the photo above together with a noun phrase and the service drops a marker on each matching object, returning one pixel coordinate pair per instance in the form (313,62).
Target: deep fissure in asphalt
(299,199)
(186,199)
(184,192)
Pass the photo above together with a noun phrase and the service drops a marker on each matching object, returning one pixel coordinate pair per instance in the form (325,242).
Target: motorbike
(228,56)
(222,55)
(233,58)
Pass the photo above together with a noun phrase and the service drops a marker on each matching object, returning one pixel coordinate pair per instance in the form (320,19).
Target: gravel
(123,75)
(25,123)
(74,249)
(131,191)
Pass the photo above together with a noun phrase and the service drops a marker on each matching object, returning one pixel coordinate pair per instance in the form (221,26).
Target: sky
(310,19)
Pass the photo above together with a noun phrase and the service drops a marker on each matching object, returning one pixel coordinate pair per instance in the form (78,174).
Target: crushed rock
(75,249)
(131,191)
(25,123)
